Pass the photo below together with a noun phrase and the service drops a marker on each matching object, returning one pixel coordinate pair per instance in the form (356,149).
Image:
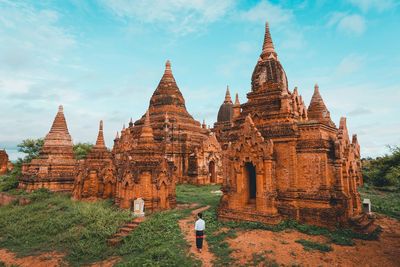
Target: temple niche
(283,160)
(144,172)
(55,167)
(205,164)
(180,138)
(5,164)
(96,175)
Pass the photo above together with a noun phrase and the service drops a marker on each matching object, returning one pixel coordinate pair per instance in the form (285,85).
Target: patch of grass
(383,200)
(157,242)
(311,245)
(186,193)
(55,222)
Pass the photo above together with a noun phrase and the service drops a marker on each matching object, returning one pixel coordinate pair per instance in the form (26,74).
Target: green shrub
(8,182)
(311,245)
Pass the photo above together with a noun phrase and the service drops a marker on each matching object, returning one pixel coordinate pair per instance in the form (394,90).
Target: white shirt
(200,225)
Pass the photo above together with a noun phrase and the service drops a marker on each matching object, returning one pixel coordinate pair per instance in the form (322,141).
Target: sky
(102,60)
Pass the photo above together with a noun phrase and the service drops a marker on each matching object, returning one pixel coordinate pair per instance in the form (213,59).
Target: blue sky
(102,59)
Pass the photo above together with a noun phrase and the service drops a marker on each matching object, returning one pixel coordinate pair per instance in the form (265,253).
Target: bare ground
(187,228)
(282,248)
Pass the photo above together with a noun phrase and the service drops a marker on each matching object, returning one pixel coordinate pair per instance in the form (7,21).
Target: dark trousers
(199,239)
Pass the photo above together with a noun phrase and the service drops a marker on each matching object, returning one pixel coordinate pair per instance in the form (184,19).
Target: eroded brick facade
(284,160)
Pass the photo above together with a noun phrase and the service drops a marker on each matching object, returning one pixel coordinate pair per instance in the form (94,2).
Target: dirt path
(187,228)
(282,248)
(51,259)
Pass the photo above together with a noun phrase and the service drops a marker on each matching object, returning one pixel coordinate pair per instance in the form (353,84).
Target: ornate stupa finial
(237,99)
(268,46)
(100,137)
(60,108)
(228,98)
(168,69)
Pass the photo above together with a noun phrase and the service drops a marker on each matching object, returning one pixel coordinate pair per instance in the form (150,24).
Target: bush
(8,182)
(383,171)
(311,245)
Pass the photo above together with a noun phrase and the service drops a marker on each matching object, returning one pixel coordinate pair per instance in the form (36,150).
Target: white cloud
(350,64)
(378,5)
(351,24)
(265,10)
(178,16)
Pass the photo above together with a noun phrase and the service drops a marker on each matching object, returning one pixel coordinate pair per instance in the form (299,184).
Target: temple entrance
(211,171)
(251,178)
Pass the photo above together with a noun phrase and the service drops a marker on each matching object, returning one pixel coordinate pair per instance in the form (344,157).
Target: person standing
(199,227)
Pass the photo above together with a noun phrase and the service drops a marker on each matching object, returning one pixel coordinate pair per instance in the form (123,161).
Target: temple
(96,175)
(5,164)
(182,140)
(55,167)
(283,160)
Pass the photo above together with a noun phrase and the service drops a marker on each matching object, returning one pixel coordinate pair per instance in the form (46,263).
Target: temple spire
(237,99)
(228,98)
(268,45)
(317,109)
(100,137)
(146,136)
(168,69)
(59,124)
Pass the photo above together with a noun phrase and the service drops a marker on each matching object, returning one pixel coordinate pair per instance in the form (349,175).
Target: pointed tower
(58,142)
(236,107)
(317,110)
(269,75)
(167,94)
(55,167)
(225,112)
(100,137)
(146,136)
(228,99)
(268,49)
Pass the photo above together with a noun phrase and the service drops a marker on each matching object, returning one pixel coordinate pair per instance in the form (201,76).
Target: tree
(31,147)
(383,171)
(81,150)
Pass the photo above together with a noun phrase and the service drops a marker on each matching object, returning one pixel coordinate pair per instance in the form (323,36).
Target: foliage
(8,182)
(311,245)
(383,171)
(386,202)
(81,150)
(31,147)
(157,242)
(54,222)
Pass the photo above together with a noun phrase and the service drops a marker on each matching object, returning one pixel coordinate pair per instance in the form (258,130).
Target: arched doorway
(250,170)
(211,171)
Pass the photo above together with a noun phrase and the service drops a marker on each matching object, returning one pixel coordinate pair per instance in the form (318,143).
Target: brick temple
(5,164)
(55,167)
(285,160)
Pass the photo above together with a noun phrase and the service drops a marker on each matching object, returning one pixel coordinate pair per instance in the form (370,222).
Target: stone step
(121,234)
(131,225)
(114,241)
(126,229)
